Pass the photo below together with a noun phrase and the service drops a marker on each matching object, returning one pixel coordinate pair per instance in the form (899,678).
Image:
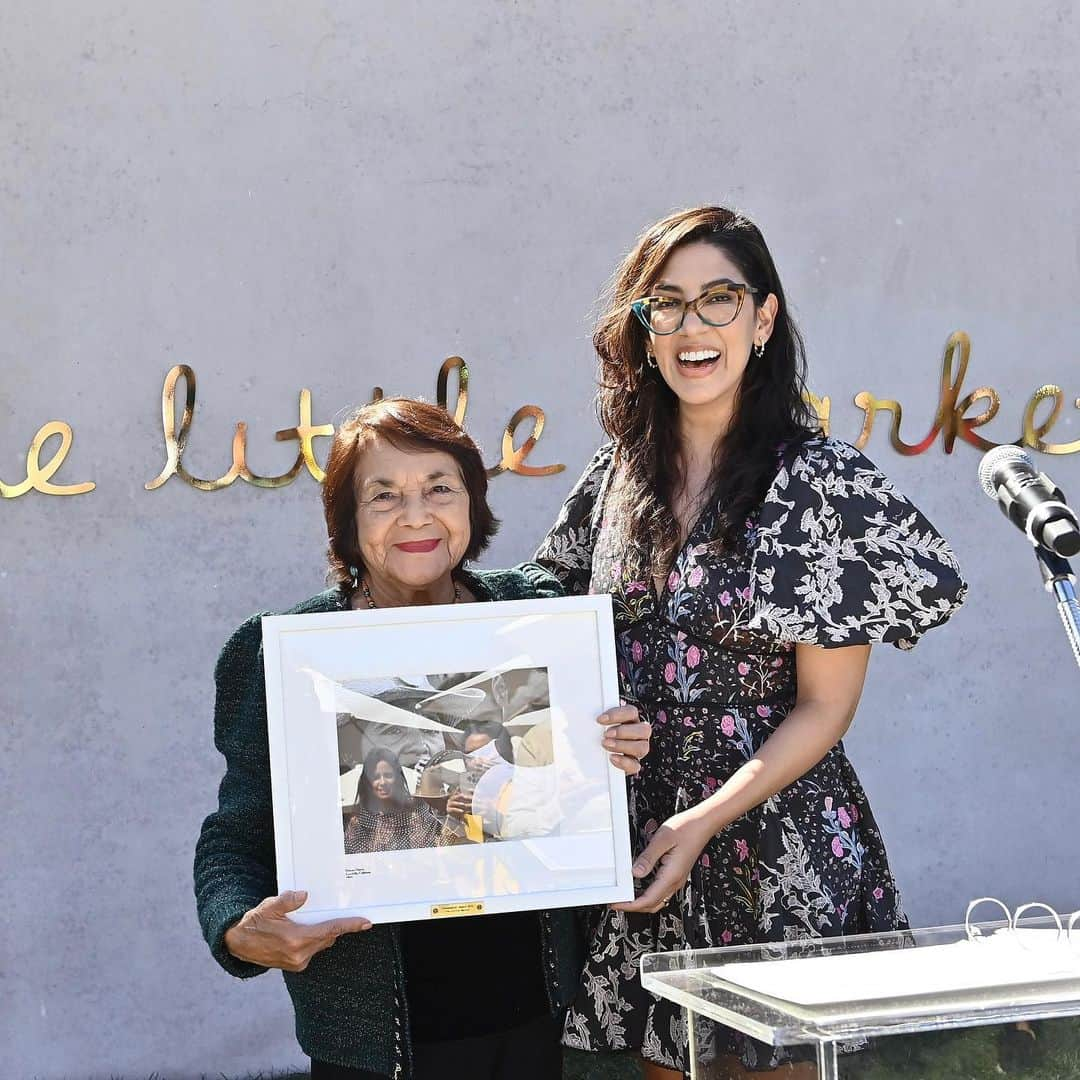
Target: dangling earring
(650,359)
(354,574)
(759,349)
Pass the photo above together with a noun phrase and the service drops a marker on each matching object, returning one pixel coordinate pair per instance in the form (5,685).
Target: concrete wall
(338,195)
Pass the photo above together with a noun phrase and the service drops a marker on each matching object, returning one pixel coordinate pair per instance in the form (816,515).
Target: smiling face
(703,365)
(382,783)
(412,517)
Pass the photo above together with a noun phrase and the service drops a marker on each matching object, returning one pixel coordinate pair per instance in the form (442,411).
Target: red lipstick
(418,546)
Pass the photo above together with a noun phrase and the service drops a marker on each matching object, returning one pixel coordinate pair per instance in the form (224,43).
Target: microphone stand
(1059,579)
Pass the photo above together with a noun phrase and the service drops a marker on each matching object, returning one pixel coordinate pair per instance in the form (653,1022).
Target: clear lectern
(840,990)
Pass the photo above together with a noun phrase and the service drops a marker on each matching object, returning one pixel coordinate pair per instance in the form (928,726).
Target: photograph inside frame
(421,763)
(436,760)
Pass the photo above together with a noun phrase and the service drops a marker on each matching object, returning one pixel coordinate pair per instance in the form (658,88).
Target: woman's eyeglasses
(717,306)
(392,501)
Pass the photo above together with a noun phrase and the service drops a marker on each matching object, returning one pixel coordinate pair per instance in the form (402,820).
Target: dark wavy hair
(639,412)
(409,425)
(365,793)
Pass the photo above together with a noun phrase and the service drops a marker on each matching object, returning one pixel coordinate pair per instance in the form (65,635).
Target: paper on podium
(1006,958)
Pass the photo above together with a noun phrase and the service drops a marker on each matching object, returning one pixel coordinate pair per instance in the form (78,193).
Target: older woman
(405,505)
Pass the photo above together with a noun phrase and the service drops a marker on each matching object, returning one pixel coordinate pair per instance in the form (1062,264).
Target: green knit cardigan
(350,1001)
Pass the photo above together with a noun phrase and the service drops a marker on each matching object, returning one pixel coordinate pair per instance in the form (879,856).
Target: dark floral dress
(834,556)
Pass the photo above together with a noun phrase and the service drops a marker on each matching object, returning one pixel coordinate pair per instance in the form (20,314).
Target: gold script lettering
(1033,436)
(461,405)
(305,433)
(176,438)
(514,460)
(38,476)
(176,441)
(950,420)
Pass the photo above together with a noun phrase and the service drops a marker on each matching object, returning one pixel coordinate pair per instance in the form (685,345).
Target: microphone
(1030,500)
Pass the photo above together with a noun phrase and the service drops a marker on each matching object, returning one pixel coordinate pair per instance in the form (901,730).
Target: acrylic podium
(842,990)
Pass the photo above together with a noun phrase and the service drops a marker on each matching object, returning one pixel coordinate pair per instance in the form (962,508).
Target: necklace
(371,602)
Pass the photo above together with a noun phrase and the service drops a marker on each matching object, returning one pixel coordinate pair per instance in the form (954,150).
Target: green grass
(1049,1050)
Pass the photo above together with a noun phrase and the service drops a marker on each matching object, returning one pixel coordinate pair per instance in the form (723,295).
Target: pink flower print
(661,717)
(725,937)
(673,580)
(635,587)
(742,849)
(878,893)
(650,829)
(854,812)
(687,721)
(725,599)
(744,668)
(744,594)
(845,820)
(727,724)
(764,711)
(828,802)
(669,672)
(837,847)
(778,662)
(693,656)
(680,636)
(637,652)
(704,860)
(710,781)
(695,576)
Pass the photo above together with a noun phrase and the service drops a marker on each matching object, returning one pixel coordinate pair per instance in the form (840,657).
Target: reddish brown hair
(409,425)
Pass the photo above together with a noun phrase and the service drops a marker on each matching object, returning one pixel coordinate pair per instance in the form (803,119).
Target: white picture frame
(546,829)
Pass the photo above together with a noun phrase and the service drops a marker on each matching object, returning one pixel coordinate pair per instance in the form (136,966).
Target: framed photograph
(436,761)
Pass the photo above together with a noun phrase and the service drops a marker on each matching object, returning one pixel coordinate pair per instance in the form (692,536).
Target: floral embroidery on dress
(834,556)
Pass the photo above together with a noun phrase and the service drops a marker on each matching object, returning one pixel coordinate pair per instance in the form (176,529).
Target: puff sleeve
(567,550)
(843,558)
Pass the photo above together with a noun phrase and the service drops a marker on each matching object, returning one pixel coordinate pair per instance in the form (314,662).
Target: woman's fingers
(634,742)
(283,903)
(651,900)
(621,714)
(266,936)
(668,880)
(661,843)
(332,929)
(626,738)
(669,856)
(662,888)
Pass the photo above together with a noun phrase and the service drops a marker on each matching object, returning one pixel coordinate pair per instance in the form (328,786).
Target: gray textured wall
(239,187)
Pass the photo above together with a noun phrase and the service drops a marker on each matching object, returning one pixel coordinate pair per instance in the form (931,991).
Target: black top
(473,976)
(349,1000)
